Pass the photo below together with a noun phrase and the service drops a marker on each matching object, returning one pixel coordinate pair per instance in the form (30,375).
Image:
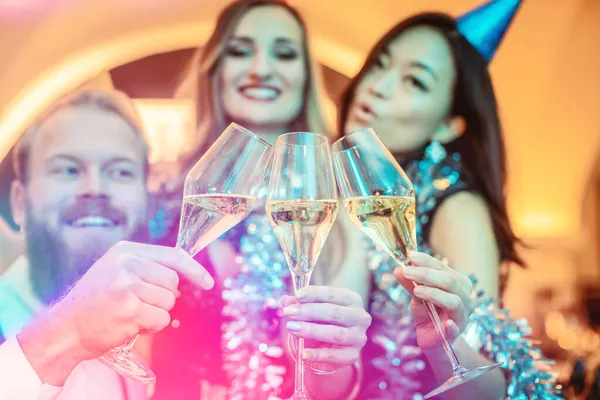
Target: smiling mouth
(260,93)
(92,221)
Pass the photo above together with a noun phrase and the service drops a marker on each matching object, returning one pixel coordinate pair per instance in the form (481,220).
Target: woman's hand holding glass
(380,200)
(444,287)
(332,320)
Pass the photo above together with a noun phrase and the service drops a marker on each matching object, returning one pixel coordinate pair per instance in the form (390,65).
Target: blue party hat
(485,26)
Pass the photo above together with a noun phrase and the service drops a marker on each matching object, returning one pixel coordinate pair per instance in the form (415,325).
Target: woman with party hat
(426,91)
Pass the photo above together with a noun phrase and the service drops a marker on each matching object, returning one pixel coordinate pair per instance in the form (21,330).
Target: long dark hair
(481,146)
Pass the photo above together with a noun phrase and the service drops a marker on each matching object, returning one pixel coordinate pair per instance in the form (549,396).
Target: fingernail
(291,310)
(293,326)
(419,290)
(301,294)
(452,328)
(284,301)
(208,281)
(416,257)
(409,272)
(305,355)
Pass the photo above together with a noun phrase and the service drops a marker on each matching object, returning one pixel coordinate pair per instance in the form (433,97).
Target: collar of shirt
(18,303)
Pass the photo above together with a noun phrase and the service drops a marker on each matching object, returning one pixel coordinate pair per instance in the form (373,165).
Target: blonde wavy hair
(201,81)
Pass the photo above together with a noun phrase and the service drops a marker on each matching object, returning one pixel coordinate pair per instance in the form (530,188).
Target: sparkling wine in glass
(205,217)
(219,193)
(302,206)
(379,199)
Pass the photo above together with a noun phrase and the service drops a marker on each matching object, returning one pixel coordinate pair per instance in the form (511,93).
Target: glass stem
(129,345)
(300,281)
(299,380)
(439,327)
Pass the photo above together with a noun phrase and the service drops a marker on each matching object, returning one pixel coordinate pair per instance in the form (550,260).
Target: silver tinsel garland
(500,338)
(254,357)
(253,351)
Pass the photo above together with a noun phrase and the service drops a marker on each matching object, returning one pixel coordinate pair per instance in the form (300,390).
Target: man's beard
(54,267)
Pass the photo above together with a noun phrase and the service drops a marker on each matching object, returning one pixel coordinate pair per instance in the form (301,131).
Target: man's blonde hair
(111,101)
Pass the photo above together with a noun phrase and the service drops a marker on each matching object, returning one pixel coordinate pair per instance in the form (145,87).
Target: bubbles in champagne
(206,217)
(389,221)
(302,226)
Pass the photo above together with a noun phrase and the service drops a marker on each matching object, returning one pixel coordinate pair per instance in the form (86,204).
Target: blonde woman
(231,342)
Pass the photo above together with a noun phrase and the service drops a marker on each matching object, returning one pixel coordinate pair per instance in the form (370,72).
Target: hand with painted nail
(444,287)
(332,320)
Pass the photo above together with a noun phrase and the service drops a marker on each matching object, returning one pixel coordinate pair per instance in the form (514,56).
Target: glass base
(127,365)
(459,378)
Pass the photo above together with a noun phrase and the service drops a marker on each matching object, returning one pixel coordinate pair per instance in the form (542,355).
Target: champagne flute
(219,192)
(301,205)
(380,199)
